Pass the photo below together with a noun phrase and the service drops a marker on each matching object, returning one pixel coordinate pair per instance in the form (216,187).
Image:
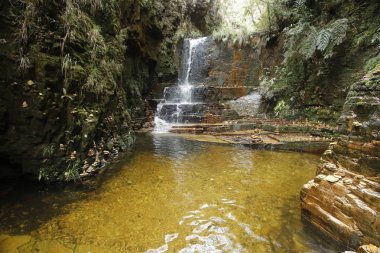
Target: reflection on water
(172,195)
(175,148)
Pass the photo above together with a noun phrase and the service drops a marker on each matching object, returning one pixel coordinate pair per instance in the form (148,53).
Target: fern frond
(376,37)
(323,39)
(337,31)
(309,43)
(301,40)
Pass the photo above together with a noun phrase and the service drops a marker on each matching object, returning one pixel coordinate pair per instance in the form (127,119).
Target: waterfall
(182,103)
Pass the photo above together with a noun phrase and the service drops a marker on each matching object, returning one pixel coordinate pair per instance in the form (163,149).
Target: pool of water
(169,195)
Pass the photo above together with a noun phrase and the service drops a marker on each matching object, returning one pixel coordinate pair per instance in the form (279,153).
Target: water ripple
(210,229)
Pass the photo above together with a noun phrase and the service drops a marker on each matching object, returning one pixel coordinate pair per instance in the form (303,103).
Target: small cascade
(248,106)
(184,103)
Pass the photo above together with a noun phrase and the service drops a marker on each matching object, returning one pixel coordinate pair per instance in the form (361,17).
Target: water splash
(161,126)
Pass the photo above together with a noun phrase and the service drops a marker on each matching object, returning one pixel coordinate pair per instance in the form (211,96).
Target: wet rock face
(240,67)
(229,69)
(343,200)
(225,71)
(235,71)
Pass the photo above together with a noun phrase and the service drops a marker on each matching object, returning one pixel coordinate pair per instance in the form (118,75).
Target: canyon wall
(75,75)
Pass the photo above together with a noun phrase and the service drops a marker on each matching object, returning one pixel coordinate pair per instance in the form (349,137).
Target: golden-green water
(170,195)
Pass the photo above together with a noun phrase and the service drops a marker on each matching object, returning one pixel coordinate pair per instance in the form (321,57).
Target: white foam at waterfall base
(161,126)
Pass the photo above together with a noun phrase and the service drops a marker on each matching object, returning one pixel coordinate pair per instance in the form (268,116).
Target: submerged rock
(332,179)
(368,249)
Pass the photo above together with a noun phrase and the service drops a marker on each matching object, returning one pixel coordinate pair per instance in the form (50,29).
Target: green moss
(372,63)
(321,114)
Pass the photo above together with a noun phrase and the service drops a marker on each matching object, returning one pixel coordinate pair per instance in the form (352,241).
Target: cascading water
(248,106)
(184,103)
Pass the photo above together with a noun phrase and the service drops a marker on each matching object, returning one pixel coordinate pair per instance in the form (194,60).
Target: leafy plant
(98,47)
(28,17)
(105,56)
(300,41)
(372,63)
(145,3)
(48,173)
(67,66)
(93,4)
(24,18)
(332,35)
(304,39)
(77,23)
(282,109)
(72,170)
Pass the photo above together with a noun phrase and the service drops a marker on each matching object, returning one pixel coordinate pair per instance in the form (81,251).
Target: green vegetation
(303,40)
(324,50)
(100,67)
(237,27)
(282,109)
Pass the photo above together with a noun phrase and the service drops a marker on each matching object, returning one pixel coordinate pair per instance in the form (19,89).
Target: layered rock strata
(343,200)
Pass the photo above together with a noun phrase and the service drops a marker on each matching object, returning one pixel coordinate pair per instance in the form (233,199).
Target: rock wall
(75,74)
(343,200)
(235,70)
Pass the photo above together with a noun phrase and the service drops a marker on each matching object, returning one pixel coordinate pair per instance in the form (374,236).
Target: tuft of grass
(94,5)
(105,56)
(24,63)
(72,171)
(48,150)
(67,66)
